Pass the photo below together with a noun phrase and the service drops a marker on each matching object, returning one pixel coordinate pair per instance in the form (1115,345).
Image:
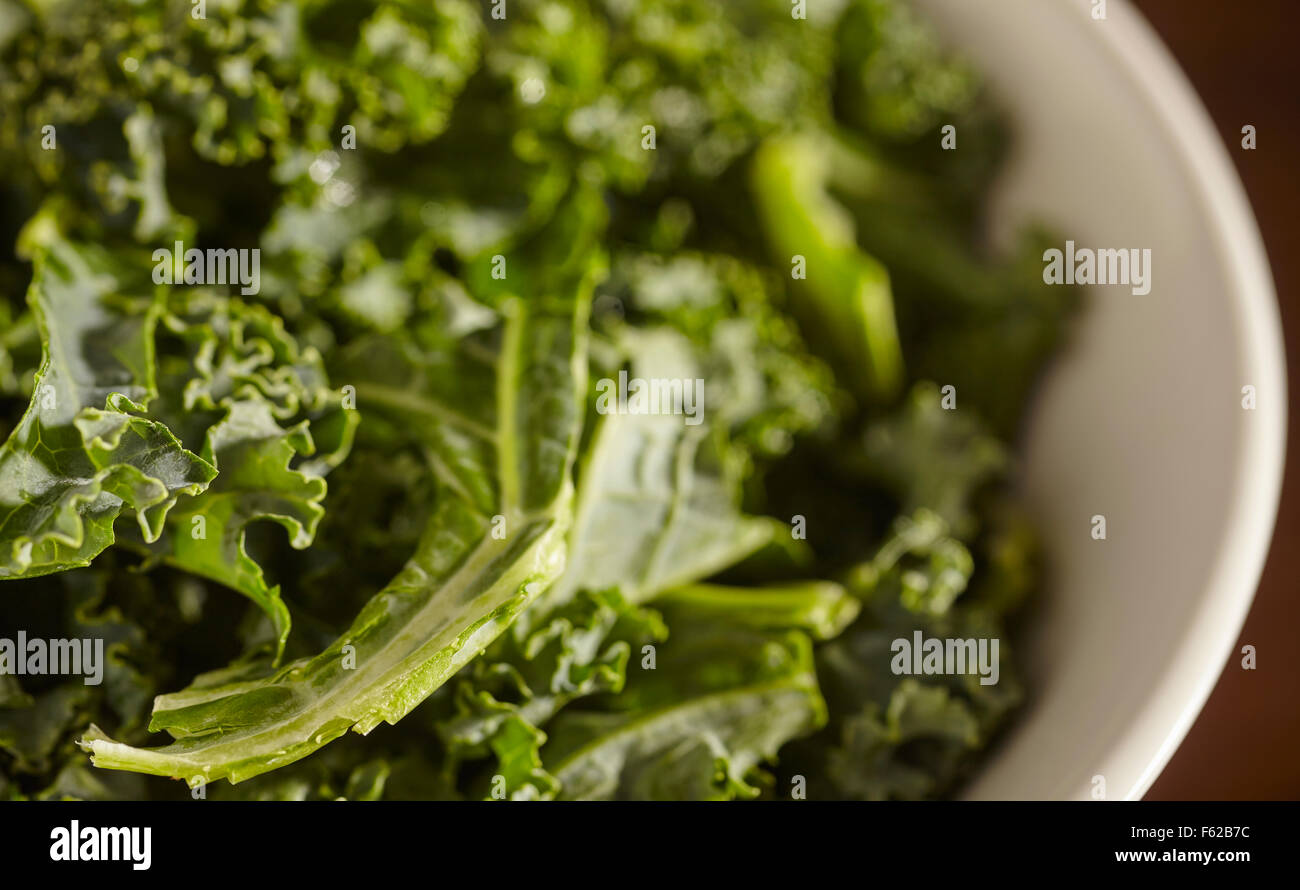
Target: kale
(308,336)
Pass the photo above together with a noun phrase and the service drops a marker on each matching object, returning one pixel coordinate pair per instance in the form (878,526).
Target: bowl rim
(1148,743)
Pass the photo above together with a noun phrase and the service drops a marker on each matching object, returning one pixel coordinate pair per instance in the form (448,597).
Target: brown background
(1242,56)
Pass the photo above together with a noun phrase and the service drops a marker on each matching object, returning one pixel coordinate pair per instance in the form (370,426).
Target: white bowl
(1141,419)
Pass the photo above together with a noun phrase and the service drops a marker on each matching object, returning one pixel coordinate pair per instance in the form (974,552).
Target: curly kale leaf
(83,452)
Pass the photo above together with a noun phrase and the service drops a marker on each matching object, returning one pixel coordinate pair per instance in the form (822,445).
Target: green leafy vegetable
(206,535)
(847,291)
(82,451)
(698,731)
(406,478)
(504,437)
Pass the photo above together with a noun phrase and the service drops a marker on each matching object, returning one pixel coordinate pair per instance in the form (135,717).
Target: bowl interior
(1141,420)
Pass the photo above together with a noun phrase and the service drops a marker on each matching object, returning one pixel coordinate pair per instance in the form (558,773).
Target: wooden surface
(1242,57)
